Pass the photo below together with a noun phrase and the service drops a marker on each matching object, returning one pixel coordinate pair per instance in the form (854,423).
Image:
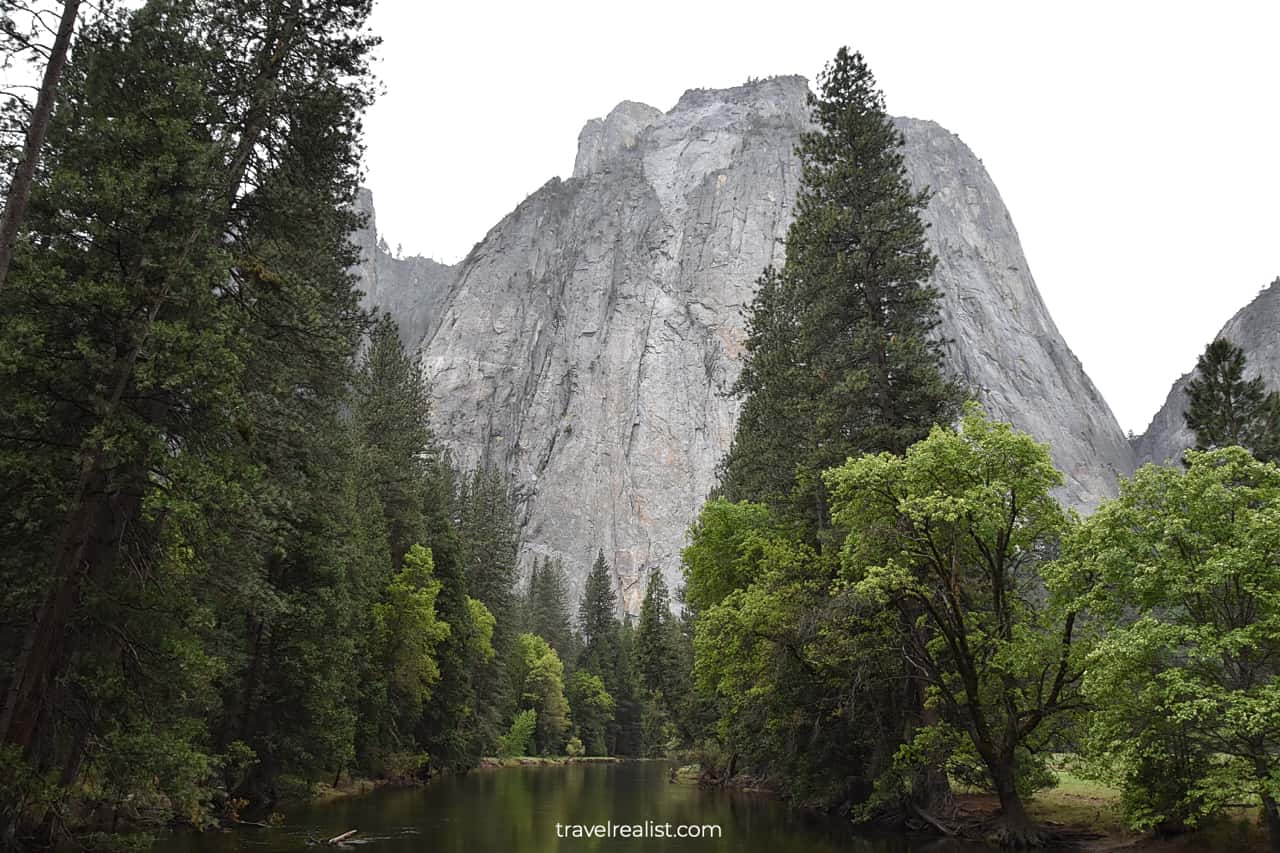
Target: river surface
(518,808)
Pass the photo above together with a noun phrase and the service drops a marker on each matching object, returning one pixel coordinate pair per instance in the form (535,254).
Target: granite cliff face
(1256,330)
(587,343)
(413,290)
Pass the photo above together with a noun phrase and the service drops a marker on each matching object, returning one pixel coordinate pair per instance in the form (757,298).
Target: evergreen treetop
(548,607)
(842,354)
(1227,409)
(655,647)
(598,619)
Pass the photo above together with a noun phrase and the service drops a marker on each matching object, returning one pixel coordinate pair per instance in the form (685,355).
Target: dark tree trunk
(90,551)
(1272,812)
(930,787)
(1015,828)
(15,205)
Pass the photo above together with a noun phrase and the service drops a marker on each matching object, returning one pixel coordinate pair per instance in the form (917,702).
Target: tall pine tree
(843,358)
(655,647)
(842,351)
(489,538)
(598,620)
(547,608)
(392,412)
(1226,409)
(181,322)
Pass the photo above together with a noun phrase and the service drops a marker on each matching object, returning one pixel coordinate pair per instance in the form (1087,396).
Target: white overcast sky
(1137,145)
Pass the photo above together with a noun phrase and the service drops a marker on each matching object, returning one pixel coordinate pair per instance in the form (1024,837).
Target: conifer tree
(184,578)
(549,607)
(1226,409)
(655,652)
(487,525)
(450,731)
(842,351)
(625,732)
(392,409)
(843,355)
(19,191)
(598,620)
(488,535)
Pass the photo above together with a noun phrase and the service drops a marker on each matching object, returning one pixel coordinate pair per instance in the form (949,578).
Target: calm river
(517,809)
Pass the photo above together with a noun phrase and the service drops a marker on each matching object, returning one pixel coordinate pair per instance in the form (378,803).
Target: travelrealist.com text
(648,829)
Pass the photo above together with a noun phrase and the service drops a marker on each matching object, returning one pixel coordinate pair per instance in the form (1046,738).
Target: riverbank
(548,761)
(1086,811)
(1084,807)
(299,792)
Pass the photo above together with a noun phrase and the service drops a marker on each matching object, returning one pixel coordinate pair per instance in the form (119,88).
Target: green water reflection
(517,809)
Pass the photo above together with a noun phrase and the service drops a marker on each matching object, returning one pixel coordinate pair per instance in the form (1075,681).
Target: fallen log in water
(332,842)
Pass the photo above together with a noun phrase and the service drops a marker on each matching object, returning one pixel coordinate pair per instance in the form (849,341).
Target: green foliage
(953,536)
(410,631)
(1226,409)
(519,739)
(487,527)
(663,666)
(164,764)
(403,767)
(488,546)
(776,655)
(450,730)
(1181,568)
(608,651)
(725,545)
(482,625)
(391,416)
(539,676)
(574,748)
(592,709)
(171,321)
(622,678)
(841,358)
(547,608)
(598,618)
(655,641)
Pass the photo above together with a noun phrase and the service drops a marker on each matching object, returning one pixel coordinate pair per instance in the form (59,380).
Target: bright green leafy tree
(409,632)
(955,536)
(1183,570)
(592,709)
(539,676)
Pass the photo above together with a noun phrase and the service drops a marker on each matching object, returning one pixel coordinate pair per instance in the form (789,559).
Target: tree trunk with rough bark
(1015,828)
(15,205)
(1272,811)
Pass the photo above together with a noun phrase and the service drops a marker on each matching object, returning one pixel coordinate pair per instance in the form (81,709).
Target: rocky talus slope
(588,342)
(1256,330)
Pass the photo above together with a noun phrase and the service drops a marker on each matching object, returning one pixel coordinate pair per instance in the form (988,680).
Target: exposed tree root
(994,830)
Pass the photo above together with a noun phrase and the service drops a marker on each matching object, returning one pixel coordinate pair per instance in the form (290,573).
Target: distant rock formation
(1256,330)
(587,344)
(412,290)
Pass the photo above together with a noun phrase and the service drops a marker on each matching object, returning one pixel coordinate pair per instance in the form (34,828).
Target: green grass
(1085,803)
(1079,802)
